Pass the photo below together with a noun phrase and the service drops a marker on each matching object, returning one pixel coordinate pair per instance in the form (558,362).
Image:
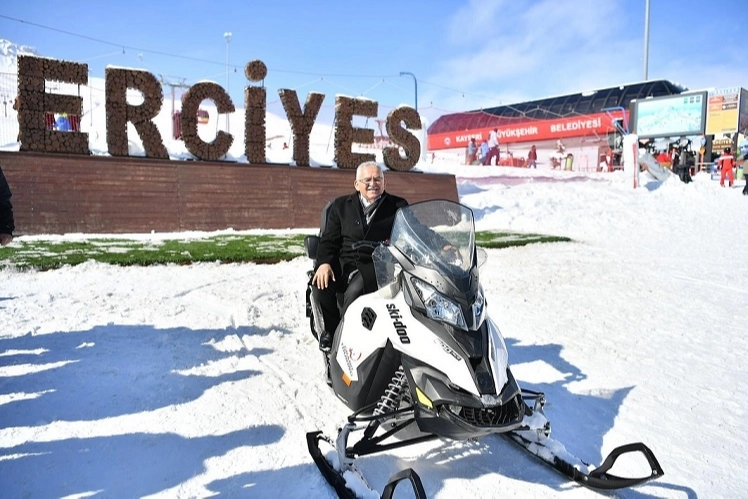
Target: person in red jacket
(726,163)
(532,158)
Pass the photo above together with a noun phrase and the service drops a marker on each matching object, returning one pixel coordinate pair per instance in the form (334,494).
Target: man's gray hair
(367,164)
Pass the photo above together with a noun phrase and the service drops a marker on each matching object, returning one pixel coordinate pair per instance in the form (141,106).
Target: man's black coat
(6,209)
(345,225)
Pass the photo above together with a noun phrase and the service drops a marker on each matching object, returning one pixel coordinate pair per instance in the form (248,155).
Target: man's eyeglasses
(369,180)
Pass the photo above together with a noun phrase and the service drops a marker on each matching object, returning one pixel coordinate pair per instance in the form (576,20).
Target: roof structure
(583,103)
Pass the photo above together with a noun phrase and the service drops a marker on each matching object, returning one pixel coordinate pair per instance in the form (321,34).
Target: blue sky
(465,54)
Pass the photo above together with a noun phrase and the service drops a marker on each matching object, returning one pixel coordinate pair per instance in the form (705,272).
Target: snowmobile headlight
(439,307)
(479,309)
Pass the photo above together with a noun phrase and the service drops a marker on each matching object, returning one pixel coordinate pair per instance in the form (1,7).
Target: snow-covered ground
(192,381)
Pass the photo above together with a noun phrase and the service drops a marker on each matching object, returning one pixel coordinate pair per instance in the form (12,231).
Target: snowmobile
(423,351)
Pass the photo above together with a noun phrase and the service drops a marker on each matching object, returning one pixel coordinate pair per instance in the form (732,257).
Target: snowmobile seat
(311,242)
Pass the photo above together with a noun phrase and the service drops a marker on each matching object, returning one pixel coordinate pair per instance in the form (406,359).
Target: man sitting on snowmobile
(366,215)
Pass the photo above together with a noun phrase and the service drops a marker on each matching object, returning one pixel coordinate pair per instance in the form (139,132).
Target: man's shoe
(325,342)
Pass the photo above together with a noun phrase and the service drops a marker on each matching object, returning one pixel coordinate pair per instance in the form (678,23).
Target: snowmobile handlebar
(367,244)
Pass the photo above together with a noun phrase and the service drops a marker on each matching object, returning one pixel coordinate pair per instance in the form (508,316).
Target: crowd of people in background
(680,160)
(489,149)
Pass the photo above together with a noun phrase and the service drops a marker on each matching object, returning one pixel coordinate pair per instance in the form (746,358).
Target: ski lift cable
(101,56)
(307,83)
(122,49)
(350,90)
(363,94)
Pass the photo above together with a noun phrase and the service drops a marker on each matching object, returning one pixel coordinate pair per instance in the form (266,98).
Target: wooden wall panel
(58,193)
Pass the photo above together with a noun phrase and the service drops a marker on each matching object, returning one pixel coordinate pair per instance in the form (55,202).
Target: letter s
(402,137)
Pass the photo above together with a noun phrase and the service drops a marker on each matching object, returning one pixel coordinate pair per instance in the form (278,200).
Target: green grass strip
(268,248)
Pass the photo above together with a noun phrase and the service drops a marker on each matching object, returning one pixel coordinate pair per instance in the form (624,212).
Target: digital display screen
(674,115)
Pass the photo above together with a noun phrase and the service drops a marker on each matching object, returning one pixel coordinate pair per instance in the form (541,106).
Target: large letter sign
(35,103)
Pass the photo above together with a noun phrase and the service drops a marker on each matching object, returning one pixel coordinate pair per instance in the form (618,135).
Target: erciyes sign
(34,102)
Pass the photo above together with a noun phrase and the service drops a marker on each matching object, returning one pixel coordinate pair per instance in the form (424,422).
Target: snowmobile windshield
(437,235)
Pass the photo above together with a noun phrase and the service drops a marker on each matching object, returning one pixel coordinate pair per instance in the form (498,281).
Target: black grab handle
(601,479)
(401,475)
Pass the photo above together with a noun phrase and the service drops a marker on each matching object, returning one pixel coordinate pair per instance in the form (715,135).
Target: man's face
(370,183)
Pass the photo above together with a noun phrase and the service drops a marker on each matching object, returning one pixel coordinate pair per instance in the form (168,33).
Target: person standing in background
(532,158)
(471,153)
(6,212)
(483,152)
(493,147)
(726,163)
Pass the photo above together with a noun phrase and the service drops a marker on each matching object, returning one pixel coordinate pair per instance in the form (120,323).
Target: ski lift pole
(624,129)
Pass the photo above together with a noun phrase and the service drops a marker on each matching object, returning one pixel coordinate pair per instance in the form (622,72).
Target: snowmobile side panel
(373,376)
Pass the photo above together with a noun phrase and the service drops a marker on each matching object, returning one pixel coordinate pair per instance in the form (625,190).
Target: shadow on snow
(106,372)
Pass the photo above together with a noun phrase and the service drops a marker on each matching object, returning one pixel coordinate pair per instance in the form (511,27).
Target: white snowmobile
(423,350)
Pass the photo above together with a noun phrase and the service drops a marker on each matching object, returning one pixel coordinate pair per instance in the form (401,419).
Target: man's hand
(323,276)
(451,255)
(5,239)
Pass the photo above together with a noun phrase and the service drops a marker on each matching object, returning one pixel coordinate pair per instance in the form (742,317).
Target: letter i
(255,111)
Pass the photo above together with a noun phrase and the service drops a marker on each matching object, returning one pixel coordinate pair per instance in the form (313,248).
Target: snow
(191,381)
(202,380)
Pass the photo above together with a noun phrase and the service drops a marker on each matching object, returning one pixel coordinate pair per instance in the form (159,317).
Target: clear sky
(464,54)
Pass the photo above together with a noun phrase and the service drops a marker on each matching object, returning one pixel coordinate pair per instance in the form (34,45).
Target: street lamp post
(415,82)
(227,36)
(646,40)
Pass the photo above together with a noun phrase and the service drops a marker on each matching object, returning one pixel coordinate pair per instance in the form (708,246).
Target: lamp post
(415,82)
(227,36)
(646,39)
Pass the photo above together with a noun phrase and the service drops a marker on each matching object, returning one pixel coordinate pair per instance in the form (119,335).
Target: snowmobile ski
(554,453)
(341,485)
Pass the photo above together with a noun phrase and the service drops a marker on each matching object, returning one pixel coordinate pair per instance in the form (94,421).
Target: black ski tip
(409,474)
(331,475)
(338,482)
(599,478)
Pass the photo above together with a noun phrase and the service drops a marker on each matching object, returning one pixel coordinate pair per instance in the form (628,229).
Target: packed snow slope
(202,380)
